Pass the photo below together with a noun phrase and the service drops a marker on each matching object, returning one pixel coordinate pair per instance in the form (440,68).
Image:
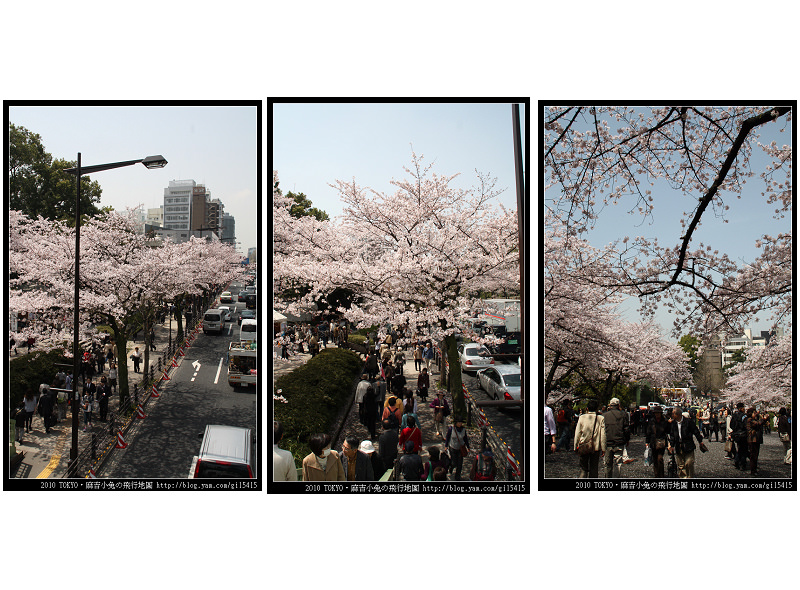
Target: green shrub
(357,339)
(315,393)
(27,372)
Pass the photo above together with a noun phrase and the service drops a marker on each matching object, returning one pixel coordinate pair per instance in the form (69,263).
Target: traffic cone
(121,444)
(165,377)
(155,392)
(174,362)
(140,412)
(180,352)
(91,474)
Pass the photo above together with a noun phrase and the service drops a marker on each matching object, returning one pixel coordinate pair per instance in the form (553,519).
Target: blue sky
(315,144)
(213,145)
(749,218)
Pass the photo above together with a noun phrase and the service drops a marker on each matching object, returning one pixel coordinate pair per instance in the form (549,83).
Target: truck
(243,364)
(502,316)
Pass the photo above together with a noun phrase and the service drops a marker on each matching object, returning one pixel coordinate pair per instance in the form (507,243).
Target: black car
(247,314)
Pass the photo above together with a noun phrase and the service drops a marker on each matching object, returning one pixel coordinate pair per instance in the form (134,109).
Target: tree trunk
(121,340)
(454,381)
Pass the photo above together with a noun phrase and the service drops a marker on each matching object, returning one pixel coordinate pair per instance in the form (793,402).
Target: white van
(227,452)
(248,331)
(213,321)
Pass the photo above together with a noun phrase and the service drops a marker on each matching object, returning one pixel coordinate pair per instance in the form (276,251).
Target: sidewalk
(47,455)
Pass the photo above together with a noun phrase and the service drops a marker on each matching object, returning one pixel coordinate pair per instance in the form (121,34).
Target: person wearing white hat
(378,468)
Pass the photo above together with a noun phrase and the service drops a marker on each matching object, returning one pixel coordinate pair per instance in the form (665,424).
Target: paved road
(163,444)
(707,465)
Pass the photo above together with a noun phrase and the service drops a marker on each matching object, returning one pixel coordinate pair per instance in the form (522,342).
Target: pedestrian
(99,357)
(88,404)
(440,411)
(152,339)
(730,448)
(11,345)
(30,409)
(112,376)
(393,411)
(755,437)
(322,464)
(437,460)
(457,443)
(357,466)
(19,418)
(398,383)
(590,439)
(361,391)
(417,357)
(370,411)
(411,432)
(785,434)
(713,423)
(409,410)
(371,366)
(681,443)
(739,436)
(102,395)
(399,361)
(483,467)
(423,384)
(410,464)
(283,467)
(378,468)
(427,355)
(706,417)
(617,436)
(387,444)
(136,357)
(550,430)
(46,406)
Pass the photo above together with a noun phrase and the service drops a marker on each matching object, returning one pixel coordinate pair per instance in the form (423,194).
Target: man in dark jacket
(681,443)
(739,437)
(357,465)
(46,409)
(387,443)
(657,433)
(410,464)
(617,436)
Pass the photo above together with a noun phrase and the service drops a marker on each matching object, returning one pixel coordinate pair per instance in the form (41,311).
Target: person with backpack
(739,436)
(410,464)
(393,411)
(590,440)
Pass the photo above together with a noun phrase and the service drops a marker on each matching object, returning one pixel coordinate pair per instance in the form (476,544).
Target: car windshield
(512,380)
(476,351)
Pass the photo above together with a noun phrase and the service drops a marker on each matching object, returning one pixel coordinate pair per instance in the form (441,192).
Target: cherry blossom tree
(600,159)
(419,257)
(602,156)
(124,275)
(765,377)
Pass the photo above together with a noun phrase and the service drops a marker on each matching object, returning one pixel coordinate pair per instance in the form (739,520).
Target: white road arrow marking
(196,365)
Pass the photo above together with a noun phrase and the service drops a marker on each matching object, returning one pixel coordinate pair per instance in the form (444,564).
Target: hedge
(28,371)
(315,392)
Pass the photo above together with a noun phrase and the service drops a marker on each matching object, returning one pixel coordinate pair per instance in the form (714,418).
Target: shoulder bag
(587,448)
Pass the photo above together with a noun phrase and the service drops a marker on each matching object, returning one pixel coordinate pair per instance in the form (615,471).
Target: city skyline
(213,144)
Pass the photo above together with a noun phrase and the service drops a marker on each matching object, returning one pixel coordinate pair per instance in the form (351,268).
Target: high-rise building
(155,217)
(178,200)
(228,229)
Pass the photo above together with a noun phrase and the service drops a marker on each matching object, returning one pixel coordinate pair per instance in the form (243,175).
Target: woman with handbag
(785,434)
(590,440)
(657,440)
(440,411)
(457,443)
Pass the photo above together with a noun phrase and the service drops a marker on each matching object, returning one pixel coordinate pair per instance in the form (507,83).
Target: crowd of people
(596,433)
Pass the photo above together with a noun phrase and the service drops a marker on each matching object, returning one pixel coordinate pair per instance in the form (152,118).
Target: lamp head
(152,162)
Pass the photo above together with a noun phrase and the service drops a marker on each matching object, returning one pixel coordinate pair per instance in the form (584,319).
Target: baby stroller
(672,467)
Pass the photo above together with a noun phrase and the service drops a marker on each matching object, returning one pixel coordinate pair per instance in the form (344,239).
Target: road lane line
(216,379)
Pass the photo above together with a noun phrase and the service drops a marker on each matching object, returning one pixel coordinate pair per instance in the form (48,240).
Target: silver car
(474,356)
(501,381)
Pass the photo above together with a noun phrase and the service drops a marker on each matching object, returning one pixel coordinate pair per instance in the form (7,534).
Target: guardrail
(505,461)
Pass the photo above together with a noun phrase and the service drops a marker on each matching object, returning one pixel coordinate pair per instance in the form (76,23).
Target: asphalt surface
(712,464)
(163,444)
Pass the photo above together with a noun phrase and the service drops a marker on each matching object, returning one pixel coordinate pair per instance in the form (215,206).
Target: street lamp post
(149,162)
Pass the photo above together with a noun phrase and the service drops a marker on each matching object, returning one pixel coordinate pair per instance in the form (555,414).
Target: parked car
(226,297)
(474,357)
(227,313)
(501,381)
(226,452)
(247,314)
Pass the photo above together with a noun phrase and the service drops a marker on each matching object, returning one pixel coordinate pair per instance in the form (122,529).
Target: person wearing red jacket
(412,433)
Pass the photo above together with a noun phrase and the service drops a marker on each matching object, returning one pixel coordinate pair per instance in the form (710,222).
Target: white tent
(278,317)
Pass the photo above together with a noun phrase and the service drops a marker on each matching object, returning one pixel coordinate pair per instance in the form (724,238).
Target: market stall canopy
(277,317)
